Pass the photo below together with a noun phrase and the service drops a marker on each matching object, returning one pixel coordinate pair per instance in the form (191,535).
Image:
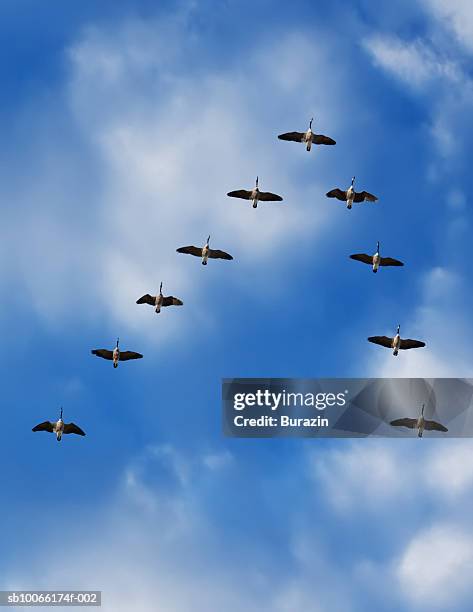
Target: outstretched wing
(127,355)
(72,428)
(46,426)
(404,423)
(190,250)
(240,193)
(104,353)
(337,193)
(381,340)
(361,196)
(267,196)
(367,259)
(410,344)
(434,426)
(389,261)
(320,139)
(172,301)
(217,254)
(146,299)
(292,136)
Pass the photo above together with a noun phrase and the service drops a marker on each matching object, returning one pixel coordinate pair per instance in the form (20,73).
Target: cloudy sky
(123,125)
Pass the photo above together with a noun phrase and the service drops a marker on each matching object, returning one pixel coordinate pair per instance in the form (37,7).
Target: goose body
(308,137)
(159,300)
(397,343)
(376,260)
(205,253)
(255,195)
(59,428)
(350,195)
(421,424)
(116,355)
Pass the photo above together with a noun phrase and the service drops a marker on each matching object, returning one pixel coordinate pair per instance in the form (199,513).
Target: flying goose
(307,137)
(397,342)
(59,428)
(376,260)
(350,195)
(116,355)
(158,301)
(205,252)
(255,195)
(420,424)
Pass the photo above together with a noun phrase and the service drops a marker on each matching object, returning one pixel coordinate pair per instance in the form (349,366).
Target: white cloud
(457,15)
(435,569)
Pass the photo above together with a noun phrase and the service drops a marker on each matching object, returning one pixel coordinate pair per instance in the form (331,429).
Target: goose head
(310,124)
(398,330)
(118,342)
(256,182)
(208,240)
(161,288)
(352,181)
(423,406)
(60,416)
(377,247)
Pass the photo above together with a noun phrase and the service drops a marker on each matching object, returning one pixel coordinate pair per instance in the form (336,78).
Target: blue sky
(123,129)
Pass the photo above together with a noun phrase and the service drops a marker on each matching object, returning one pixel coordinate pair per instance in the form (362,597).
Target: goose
(420,424)
(376,260)
(396,343)
(255,195)
(205,252)
(116,355)
(350,195)
(307,137)
(158,301)
(59,428)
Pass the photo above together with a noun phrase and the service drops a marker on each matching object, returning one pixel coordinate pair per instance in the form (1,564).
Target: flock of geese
(255,195)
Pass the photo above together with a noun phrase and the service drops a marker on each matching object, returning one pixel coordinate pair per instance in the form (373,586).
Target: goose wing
(127,355)
(407,343)
(292,136)
(389,261)
(104,353)
(337,193)
(218,254)
(367,259)
(411,423)
(72,428)
(381,340)
(46,426)
(321,139)
(190,250)
(146,299)
(361,196)
(170,300)
(434,426)
(267,196)
(240,193)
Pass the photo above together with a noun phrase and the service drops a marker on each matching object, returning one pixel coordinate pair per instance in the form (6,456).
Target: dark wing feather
(361,196)
(381,340)
(127,355)
(146,299)
(389,261)
(367,259)
(72,428)
(404,423)
(104,353)
(172,301)
(320,139)
(267,196)
(337,193)
(217,254)
(46,426)
(434,426)
(240,193)
(410,344)
(190,250)
(292,136)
